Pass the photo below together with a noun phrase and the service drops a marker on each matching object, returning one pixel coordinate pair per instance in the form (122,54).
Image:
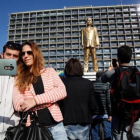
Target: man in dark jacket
(103,112)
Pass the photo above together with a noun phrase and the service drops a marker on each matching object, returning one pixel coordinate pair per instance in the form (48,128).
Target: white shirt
(8,117)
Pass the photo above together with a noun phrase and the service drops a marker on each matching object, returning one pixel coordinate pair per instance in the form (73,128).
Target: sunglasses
(28,52)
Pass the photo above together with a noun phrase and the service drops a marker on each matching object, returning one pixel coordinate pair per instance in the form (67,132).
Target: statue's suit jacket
(89,37)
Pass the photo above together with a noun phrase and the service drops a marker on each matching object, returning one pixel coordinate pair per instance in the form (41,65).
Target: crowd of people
(71,107)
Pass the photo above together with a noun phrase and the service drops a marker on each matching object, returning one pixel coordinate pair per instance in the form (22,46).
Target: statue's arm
(82,39)
(96,38)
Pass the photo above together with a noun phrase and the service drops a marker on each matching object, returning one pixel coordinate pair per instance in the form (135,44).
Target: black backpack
(126,90)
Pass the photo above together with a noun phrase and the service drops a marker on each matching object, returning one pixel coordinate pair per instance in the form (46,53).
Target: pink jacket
(54,91)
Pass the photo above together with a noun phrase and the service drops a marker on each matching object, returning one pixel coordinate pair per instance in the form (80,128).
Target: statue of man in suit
(89,42)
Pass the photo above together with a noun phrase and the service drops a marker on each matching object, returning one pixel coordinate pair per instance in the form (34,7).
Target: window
(113,43)
(111,15)
(11,32)
(135,31)
(119,20)
(114,50)
(13,16)
(111,10)
(137,62)
(135,25)
(118,9)
(18,31)
(104,21)
(126,15)
(121,37)
(75,51)
(137,43)
(136,37)
(52,52)
(106,50)
(19,16)
(125,9)
(111,20)
(103,10)
(99,56)
(45,53)
(45,41)
(60,52)
(106,56)
(121,43)
(105,38)
(67,12)
(52,58)
(81,11)
(52,40)
(112,26)
(33,14)
(105,32)
(53,46)
(127,25)
(106,44)
(128,37)
(129,43)
(112,31)
(118,15)
(106,63)
(96,11)
(127,31)
(100,63)
(138,55)
(132,9)
(120,26)
(120,31)
(113,38)
(39,14)
(97,16)
(32,20)
(98,51)
(60,13)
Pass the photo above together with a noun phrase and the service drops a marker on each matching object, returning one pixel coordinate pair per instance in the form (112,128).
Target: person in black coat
(79,105)
(102,115)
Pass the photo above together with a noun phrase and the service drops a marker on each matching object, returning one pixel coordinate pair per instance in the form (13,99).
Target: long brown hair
(24,77)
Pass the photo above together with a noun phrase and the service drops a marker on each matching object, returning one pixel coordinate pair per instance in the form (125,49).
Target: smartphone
(114,62)
(8,67)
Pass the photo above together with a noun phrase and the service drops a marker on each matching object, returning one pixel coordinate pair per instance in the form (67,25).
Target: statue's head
(89,21)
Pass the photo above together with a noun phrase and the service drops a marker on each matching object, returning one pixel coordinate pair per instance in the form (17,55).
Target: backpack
(126,90)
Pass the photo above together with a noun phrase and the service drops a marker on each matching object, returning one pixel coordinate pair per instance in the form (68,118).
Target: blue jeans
(95,127)
(135,135)
(77,132)
(58,131)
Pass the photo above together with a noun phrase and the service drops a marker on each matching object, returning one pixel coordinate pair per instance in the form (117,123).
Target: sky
(12,6)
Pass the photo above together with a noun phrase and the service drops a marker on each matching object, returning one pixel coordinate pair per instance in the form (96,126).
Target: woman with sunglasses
(38,89)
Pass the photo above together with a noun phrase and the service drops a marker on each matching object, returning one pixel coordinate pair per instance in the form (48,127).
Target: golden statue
(89,42)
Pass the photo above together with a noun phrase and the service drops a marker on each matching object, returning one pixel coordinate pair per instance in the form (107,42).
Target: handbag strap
(32,114)
(24,117)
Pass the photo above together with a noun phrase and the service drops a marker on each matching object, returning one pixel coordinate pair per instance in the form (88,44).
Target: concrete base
(90,75)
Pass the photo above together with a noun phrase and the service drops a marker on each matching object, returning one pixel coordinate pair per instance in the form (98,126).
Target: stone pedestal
(90,75)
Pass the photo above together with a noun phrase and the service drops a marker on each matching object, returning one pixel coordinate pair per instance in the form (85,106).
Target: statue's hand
(97,47)
(82,47)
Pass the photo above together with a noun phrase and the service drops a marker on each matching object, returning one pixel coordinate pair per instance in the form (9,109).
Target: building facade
(58,32)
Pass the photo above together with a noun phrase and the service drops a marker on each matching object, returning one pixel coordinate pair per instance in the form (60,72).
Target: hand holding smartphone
(8,67)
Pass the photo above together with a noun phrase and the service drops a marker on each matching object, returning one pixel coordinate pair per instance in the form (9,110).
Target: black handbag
(35,131)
